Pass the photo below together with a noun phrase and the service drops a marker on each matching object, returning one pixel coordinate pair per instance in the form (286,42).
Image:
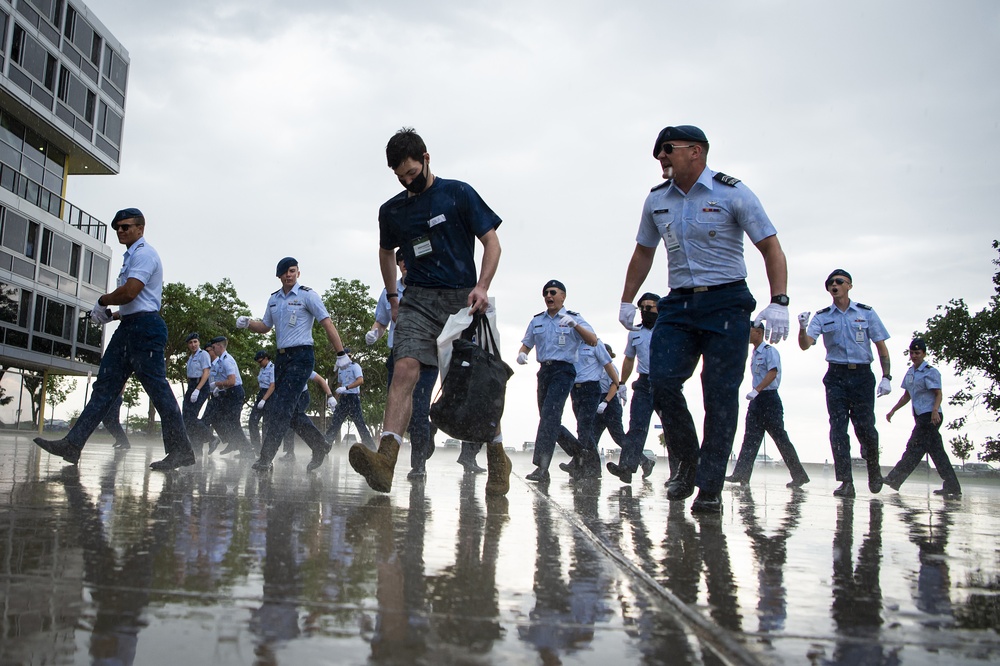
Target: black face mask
(418,184)
(648,319)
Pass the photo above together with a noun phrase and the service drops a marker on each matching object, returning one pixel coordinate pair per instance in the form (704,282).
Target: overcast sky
(869,131)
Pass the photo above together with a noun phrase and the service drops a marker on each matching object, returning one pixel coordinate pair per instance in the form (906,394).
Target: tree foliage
(970,343)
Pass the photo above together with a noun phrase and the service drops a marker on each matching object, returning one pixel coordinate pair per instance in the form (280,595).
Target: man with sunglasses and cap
(436,223)
(136,347)
(291,312)
(199,366)
(922,386)
(849,328)
(556,335)
(641,411)
(702,216)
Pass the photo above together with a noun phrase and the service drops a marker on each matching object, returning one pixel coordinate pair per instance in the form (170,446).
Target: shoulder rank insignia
(663,184)
(863,306)
(826,309)
(304,288)
(725,180)
(575,314)
(275,293)
(540,313)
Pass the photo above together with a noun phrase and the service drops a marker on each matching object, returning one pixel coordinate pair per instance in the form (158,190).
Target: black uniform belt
(555,363)
(687,291)
(579,384)
(851,366)
(138,315)
(287,350)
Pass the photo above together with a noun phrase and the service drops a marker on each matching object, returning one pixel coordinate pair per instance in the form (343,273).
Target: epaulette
(826,309)
(275,292)
(663,184)
(724,179)
(540,313)
(304,288)
(575,314)
(863,306)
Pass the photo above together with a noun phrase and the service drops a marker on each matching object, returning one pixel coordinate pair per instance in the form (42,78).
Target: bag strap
(486,339)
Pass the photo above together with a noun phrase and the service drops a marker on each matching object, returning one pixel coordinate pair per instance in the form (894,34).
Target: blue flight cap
(678,133)
(554,283)
(285,264)
(127,214)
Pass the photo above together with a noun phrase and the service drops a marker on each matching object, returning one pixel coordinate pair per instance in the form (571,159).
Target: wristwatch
(780,299)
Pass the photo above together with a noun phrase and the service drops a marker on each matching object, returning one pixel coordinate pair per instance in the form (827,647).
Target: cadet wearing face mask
(642,396)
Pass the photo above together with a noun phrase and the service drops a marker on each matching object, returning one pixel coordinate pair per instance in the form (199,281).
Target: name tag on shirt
(672,243)
(422,246)
(859,336)
(434,221)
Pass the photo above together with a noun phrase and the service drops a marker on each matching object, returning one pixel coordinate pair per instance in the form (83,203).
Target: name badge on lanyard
(422,246)
(672,243)
(860,335)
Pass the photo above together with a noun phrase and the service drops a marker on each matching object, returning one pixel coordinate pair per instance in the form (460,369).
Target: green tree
(970,343)
(352,310)
(57,389)
(962,447)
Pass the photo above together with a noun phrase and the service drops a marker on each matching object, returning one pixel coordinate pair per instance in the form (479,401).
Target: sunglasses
(668,148)
(125,227)
(550,292)
(835,281)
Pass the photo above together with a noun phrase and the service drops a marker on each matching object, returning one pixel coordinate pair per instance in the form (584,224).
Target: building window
(34,58)
(53,318)
(82,35)
(109,123)
(50,9)
(115,70)
(95,269)
(60,252)
(77,95)
(15,304)
(19,233)
(89,332)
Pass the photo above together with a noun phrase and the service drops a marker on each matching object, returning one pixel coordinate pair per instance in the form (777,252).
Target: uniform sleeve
(876,329)
(815,328)
(750,215)
(315,306)
(630,350)
(772,360)
(383,311)
(142,266)
(602,355)
(648,235)
(267,319)
(529,339)
(933,379)
(358,372)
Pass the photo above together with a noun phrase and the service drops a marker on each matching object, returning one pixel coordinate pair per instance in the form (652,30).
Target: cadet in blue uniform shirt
(198,366)
(637,354)
(291,312)
(922,386)
(610,418)
(435,222)
(593,363)
(555,334)
(349,404)
(136,347)
(765,414)
(265,387)
(701,217)
(848,329)
(228,395)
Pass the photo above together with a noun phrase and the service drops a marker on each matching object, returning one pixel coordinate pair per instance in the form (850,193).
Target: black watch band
(780,299)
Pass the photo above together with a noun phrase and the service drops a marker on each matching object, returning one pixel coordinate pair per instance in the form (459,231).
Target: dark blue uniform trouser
(198,431)
(226,416)
(584,397)
(850,396)
(253,425)
(112,422)
(713,327)
(611,420)
(292,369)
(925,439)
(555,379)
(766,414)
(136,347)
(640,412)
(349,405)
(302,426)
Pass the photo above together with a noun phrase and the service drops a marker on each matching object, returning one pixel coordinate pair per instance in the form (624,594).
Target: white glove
(216,391)
(242,322)
(341,390)
(626,315)
(260,405)
(331,403)
(100,314)
(623,393)
(372,336)
(194,395)
(522,358)
(776,317)
(601,406)
(567,320)
(343,361)
(804,318)
(884,387)
(752,394)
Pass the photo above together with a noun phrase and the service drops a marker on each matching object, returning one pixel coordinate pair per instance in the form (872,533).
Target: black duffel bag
(471,399)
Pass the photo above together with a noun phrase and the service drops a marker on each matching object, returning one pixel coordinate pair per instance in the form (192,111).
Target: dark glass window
(115,69)
(10,303)
(77,95)
(34,58)
(57,251)
(52,317)
(99,272)
(15,231)
(110,124)
(50,9)
(11,131)
(16,339)
(88,332)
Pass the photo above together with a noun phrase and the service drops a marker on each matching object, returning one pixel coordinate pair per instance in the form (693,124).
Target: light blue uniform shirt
(266,376)
(143,263)
(848,335)
(312,377)
(349,375)
(921,383)
(292,315)
(383,312)
(224,366)
(606,379)
(551,341)
(637,347)
(197,362)
(703,229)
(590,362)
(763,360)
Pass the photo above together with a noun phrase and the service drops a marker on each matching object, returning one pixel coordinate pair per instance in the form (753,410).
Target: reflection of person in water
(857,594)
(770,553)
(119,584)
(565,613)
(464,594)
(932,593)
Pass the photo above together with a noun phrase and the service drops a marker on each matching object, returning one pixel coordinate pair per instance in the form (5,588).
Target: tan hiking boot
(498,479)
(376,467)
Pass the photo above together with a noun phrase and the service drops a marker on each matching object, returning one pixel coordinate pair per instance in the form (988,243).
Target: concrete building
(63,83)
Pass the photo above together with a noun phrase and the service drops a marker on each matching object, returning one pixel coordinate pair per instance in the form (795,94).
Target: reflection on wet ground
(110,563)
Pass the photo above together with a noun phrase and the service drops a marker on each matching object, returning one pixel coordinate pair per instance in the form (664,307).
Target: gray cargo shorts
(422,316)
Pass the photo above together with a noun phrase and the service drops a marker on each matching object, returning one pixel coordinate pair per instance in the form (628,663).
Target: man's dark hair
(404,143)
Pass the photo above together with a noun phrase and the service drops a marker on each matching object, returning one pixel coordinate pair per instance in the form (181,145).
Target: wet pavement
(111,563)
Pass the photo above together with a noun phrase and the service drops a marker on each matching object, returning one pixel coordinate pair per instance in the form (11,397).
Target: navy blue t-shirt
(437,232)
